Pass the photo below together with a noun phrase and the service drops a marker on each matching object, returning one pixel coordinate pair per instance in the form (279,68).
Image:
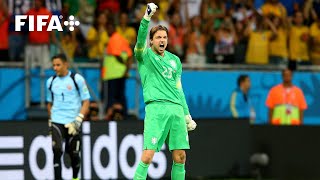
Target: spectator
(286,102)
(86,12)
(195,54)
(37,49)
(55,48)
(292,5)
(93,114)
(98,38)
(138,13)
(211,40)
(176,36)
(163,9)
(316,8)
(72,7)
(240,103)
(82,47)
(215,11)
(116,112)
(278,48)
(241,11)
(310,9)
(315,42)
(83,10)
(189,9)
(115,70)
(298,42)
(126,31)
(17,40)
(225,41)
(275,8)
(259,38)
(112,6)
(127,5)
(241,42)
(174,7)
(4,36)
(69,43)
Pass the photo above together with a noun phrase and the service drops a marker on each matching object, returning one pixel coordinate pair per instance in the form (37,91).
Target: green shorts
(165,122)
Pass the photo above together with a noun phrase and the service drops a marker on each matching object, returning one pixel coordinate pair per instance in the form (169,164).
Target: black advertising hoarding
(112,151)
(294,151)
(109,151)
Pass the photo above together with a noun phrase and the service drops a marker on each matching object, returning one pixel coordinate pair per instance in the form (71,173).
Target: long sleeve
(141,39)
(233,105)
(184,104)
(182,96)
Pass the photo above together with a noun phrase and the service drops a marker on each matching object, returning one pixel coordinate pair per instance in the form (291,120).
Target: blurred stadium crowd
(200,31)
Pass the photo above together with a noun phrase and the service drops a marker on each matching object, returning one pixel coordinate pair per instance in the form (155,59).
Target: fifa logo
(41,22)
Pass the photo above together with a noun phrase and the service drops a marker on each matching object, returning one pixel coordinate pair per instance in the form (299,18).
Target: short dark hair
(286,69)
(241,79)
(155,29)
(63,57)
(296,12)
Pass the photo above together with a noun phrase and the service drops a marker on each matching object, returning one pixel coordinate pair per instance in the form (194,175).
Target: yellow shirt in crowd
(276,10)
(278,46)
(69,47)
(129,34)
(97,49)
(164,6)
(258,47)
(315,35)
(298,48)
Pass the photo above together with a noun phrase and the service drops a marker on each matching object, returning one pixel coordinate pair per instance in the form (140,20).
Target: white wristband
(81,116)
(147,17)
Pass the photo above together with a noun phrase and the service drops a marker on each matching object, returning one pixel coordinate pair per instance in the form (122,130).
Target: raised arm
(271,26)
(143,31)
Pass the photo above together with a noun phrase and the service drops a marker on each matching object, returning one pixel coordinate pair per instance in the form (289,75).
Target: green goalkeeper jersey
(160,75)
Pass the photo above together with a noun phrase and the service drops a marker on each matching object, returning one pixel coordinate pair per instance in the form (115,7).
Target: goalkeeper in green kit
(167,115)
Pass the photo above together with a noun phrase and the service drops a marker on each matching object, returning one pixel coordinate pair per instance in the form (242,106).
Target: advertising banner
(112,150)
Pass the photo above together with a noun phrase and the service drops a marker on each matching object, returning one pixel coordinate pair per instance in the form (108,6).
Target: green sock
(75,178)
(141,172)
(178,172)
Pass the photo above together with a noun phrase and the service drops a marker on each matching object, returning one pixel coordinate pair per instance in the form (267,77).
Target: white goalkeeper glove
(74,126)
(191,124)
(151,9)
